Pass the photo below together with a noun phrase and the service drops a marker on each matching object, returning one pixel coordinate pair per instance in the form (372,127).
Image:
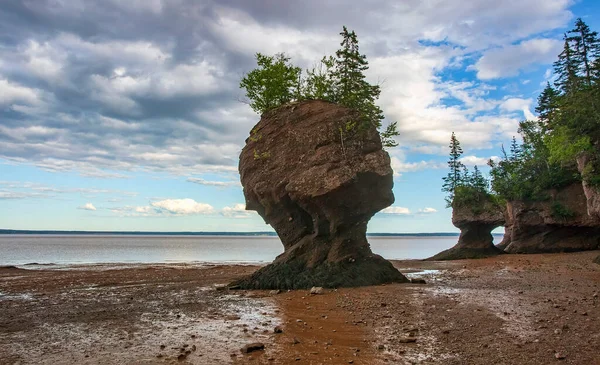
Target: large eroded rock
(559,224)
(317,182)
(476,224)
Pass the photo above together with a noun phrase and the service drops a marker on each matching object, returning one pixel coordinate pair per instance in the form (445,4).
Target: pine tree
(456,176)
(566,68)
(353,90)
(586,48)
(547,107)
(477,181)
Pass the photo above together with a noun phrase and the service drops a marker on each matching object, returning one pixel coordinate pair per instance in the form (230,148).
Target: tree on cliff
(274,83)
(338,79)
(567,126)
(455,176)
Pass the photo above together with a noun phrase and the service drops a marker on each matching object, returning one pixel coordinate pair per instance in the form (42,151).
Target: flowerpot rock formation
(317,178)
(476,225)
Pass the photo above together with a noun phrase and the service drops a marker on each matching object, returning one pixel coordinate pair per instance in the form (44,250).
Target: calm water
(85,249)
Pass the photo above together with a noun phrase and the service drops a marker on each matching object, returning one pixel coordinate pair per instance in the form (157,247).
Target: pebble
(316,290)
(560,356)
(278,329)
(256,346)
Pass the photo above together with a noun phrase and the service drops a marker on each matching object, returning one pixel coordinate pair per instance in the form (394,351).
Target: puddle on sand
(23,296)
(421,273)
(210,334)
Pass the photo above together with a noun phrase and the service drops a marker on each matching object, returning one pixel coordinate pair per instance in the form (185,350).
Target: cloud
(87,206)
(396,210)
(107,88)
(472,160)
(238,211)
(427,210)
(180,207)
(510,60)
(201,181)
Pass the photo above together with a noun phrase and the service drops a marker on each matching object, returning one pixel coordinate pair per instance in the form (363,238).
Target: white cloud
(510,60)
(200,181)
(11,93)
(238,211)
(396,210)
(472,160)
(427,210)
(518,104)
(182,206)
(87,206)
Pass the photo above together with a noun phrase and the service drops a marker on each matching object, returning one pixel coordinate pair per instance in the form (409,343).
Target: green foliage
(338,79)
(261,155)
(559,211)
(464,188)
(320,82)
(274,83)
(455,175)
(568,126)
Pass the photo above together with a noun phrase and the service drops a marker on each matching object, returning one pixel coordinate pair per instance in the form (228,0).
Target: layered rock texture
(476,224)
(592,194)
(560,223)
(317,179)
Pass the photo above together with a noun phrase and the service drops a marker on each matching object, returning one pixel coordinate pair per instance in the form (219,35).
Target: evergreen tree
(455,176)
(586,47)
(477,181)
(274,83)
(547,107)
(566,68)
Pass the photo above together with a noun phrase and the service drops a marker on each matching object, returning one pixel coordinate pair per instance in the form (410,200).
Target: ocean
(52,249)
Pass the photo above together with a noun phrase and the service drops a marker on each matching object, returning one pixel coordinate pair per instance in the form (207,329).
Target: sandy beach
(511,309)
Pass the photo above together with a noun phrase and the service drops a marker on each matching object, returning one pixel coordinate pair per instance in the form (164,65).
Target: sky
(127,115)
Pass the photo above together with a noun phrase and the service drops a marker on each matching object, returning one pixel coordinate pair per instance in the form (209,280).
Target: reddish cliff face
(318,182)
(559,224)
(592,194)
(476,225)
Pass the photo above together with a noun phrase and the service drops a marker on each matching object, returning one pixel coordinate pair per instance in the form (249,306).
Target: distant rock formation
(317,181)
(559,224)
(476,224)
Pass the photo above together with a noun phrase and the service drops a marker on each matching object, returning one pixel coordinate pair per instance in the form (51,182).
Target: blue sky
(126,115)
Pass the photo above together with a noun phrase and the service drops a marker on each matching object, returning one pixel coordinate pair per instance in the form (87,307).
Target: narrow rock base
(294,274)
(457,253)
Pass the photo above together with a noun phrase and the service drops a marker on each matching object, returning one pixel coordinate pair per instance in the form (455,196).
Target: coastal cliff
(317,179)
(558,224)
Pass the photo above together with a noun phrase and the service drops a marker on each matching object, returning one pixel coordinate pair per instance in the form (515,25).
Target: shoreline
(513,309)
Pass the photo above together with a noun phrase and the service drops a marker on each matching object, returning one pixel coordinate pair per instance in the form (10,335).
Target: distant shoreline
(249,234)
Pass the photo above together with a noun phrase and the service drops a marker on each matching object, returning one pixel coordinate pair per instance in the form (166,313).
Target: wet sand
(512,309)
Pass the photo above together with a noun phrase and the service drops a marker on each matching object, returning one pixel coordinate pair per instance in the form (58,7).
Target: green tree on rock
(274,83)
(455,177)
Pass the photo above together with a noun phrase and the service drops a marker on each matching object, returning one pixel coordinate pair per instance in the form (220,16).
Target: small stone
(278,329)
(232,317)
(407,339)
(418,281)
(295,341)
(560,356)
(380,347)
(316,290)
(275,292)
(252,347)
(181,357)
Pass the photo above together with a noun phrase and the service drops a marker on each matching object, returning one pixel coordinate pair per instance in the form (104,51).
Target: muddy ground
(512,309)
